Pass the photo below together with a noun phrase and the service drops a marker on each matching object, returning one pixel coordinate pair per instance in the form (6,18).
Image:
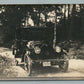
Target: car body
(35,45)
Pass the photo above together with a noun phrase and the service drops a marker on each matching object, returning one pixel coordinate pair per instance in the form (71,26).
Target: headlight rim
(38,50)
(58,49)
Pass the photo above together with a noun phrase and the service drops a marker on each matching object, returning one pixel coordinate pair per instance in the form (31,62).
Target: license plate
(46,63)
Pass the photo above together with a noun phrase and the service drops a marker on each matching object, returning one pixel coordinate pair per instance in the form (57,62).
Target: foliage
(68,18)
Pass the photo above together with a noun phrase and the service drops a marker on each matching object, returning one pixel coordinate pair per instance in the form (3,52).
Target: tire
(64,66)
(27,64)
(16,62)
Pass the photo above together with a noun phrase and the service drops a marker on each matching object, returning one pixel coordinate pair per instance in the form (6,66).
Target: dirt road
(76,69)
(8,68)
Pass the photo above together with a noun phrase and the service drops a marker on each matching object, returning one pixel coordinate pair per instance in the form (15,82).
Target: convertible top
(34,33)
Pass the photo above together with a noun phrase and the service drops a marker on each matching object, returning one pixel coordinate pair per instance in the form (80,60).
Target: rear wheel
(16,62)
(27,64)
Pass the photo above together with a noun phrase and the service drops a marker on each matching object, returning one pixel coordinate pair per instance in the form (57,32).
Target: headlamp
(37,50)
(58,49)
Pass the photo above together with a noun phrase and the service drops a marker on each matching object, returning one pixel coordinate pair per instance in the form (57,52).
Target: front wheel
(64,66)
(27,64)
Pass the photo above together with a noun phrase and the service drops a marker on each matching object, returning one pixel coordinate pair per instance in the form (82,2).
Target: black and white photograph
(42,41)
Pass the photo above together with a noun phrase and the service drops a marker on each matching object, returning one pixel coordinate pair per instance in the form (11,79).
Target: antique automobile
(36,45)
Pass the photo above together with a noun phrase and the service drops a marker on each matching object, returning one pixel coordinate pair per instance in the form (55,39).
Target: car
(35,45)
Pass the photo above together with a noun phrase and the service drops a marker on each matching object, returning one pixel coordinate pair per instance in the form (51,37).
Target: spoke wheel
(64,66)
(27,64)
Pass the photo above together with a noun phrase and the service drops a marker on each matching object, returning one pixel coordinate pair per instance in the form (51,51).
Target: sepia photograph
(42,41)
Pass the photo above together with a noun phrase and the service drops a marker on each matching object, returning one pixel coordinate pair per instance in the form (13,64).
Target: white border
(41,1)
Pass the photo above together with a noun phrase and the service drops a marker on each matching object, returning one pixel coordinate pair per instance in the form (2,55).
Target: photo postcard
(42,42)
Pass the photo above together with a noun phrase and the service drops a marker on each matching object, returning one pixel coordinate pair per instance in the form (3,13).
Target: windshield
(35,33)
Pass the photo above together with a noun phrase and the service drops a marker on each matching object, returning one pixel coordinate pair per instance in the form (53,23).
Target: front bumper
(49,60)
